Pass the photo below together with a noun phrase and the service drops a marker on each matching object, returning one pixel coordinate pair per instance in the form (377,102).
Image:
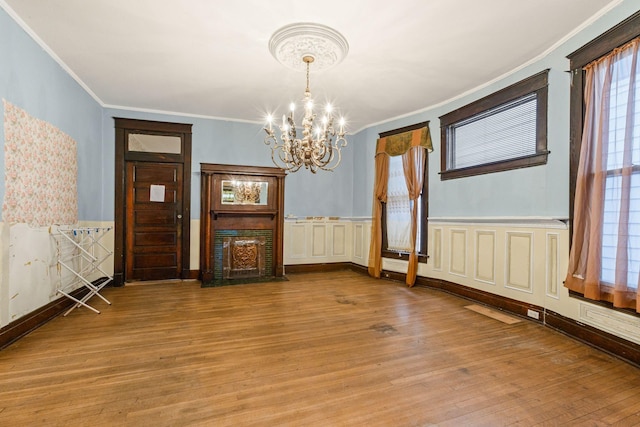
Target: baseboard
(316,268)
(21,327)
(530,311)
(191,274)
(359,268)
(616,346)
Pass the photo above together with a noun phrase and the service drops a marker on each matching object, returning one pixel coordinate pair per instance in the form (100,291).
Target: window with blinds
(502,133)
(506,130)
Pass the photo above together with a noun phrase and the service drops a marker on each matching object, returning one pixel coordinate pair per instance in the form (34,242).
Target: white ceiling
(211,57)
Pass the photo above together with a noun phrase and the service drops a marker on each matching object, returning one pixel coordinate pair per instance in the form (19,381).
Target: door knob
(179,216)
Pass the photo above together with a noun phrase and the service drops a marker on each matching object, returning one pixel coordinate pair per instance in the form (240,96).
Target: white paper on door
(156,194)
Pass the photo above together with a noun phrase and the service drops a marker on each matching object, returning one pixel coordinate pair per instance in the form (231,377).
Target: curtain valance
(400,143)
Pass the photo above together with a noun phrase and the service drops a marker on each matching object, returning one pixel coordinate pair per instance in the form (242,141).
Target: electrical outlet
(534,314)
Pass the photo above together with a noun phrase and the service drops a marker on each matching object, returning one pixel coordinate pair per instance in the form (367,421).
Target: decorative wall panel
(611,321)
(519,264)
(485,266)
(437,248)
(297,247)
(458,258)
(319,245)
(358,243)
(338,242)
(552,265)
(40,171)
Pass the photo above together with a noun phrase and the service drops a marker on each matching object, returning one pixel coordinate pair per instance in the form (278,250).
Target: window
(396,217)
(390,223)
(624,122)
(505,130)
(397,223)
(605,167)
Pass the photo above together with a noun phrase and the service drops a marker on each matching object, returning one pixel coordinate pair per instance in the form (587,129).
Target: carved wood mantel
(240,201)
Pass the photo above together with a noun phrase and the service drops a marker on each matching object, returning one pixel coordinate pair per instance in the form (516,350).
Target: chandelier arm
(278,152)
(320,149)
(328,154)
(292,159)
(340,143)
(331,168)
(299,154)
(326,159)
(268,140)
(280,162)
(291,167)
(342,140)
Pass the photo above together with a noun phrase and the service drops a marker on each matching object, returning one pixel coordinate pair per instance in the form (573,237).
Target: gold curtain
(413,163)
(379,197)
(412,146)
(595,175)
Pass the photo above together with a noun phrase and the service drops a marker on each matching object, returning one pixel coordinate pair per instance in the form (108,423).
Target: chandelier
(321,142)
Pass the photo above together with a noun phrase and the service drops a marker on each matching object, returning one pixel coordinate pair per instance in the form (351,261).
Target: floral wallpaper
(40,171)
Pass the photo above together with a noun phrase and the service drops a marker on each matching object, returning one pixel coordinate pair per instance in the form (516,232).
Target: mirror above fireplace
(245,192)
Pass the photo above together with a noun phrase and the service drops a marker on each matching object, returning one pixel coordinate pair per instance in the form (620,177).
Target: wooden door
(152,238)
(153,220)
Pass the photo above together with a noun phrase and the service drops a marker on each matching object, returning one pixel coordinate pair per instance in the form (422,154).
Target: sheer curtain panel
(604,262)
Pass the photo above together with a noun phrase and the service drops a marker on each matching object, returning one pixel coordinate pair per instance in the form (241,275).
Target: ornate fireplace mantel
(241,222)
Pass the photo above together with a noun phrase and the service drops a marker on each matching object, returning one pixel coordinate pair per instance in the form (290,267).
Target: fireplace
(242,223)
(242,254)
(242,257)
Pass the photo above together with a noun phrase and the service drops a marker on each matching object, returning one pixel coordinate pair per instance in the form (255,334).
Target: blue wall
(541,191)
(236,143)
(30,79)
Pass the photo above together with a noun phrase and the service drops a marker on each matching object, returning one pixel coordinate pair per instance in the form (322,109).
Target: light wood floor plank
(337,349)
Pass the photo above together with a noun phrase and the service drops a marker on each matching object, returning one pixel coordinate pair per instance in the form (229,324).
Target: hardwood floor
(338,349)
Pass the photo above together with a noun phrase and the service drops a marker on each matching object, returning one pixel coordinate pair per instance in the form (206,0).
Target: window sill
(520,162)
(403,256)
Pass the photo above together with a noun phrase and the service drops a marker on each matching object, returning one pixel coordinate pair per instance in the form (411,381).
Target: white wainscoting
(515,258)
(319,240)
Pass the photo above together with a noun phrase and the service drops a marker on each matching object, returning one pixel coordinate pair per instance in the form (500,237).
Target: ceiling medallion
(293,42)
(297,46)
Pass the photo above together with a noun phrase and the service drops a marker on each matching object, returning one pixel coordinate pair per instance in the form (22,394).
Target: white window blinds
(502,133)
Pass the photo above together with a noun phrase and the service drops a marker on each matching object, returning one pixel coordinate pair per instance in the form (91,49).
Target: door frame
(122,128)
